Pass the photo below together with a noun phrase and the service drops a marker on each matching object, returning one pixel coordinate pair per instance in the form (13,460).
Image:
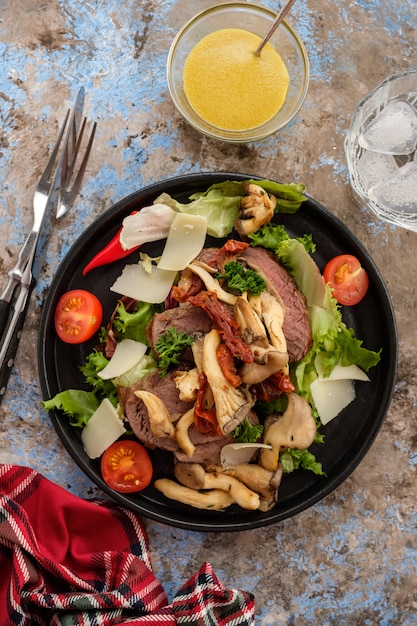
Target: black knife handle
(10,349)
(4,313)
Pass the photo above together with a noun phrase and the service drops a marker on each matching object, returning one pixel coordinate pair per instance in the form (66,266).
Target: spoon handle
(277,21)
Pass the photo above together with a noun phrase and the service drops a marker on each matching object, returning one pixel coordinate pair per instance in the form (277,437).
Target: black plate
(348,437)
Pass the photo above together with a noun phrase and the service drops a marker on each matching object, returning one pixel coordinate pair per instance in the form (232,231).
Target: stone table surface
(351,558)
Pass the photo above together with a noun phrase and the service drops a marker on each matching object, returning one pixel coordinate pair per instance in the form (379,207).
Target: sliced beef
(296,325)
(184,318)
(164,387)
(207,448)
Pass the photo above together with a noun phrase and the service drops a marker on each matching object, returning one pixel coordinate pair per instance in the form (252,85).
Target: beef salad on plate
(230,357)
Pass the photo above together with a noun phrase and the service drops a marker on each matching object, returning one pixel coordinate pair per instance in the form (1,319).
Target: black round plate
(347,438)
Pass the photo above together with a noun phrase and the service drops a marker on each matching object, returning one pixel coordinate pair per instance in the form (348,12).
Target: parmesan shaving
(185,241)
(127,354)
(138,283)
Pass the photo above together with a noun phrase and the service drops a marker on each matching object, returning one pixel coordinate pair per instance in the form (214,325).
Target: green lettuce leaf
(146,366)
(78,405)
(133,325)
(221,211)
(220,202)
(289,196)
(94,363)
(294,459)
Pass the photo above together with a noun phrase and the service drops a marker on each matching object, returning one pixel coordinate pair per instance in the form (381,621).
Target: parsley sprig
(170,346)
(241,279)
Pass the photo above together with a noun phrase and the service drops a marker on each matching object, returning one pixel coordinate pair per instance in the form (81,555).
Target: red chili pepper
(113,251)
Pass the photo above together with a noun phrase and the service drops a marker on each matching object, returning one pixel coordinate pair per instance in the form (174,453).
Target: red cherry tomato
(78,316)
(347,278)
(126,466)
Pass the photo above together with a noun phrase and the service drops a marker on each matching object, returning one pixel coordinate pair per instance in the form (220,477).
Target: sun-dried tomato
(233,245)
(222,255)
(205,419)
(225,323)
(188,285)
(273,387)
(227,365)
(282,382)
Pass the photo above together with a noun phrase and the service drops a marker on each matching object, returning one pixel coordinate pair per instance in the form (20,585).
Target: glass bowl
(383,174)
(257,20)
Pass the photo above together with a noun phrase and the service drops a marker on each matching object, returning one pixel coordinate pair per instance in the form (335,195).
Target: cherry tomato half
(78,316)
(126,466)
(347,278)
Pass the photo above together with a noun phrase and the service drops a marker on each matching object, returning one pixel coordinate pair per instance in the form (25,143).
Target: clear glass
(258,20)
(371,171)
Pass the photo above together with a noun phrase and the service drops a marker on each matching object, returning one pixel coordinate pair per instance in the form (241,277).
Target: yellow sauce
(229,86)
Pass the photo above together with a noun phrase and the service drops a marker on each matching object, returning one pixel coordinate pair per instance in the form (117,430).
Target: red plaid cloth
(68,561)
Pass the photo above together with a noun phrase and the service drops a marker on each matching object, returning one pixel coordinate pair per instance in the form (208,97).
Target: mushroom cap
(295,429)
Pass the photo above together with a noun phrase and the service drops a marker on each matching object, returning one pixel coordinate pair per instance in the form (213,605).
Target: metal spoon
(277,21)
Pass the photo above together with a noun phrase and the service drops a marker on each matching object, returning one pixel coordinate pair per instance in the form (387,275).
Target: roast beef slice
(207,447)
(185,318)
(296,325)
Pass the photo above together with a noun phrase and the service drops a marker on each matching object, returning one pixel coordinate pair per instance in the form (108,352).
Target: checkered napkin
(69,561)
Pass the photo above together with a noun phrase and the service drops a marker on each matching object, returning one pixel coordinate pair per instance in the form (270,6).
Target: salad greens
(94,363)
(331,338)
(78,405)
(247,432)
(132,325)
(146,366)
(220,202)
(294,459)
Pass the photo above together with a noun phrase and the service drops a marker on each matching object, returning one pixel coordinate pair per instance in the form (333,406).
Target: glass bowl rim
(259,132)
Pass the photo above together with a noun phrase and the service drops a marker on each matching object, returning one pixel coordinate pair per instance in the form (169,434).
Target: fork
(40,198)
(59,194)
(39,202)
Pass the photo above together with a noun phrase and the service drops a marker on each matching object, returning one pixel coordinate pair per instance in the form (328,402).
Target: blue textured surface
(350,559)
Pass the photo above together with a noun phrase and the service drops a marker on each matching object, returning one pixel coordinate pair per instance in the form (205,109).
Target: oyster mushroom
(256,478)
(182,432)
(187,384)
(159,417)
(271,310)
(194,476)
(268,359)
(295,429)
(211,283)
(266,362)
(232,404)
(251,327)
(256,209)
(211,500)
